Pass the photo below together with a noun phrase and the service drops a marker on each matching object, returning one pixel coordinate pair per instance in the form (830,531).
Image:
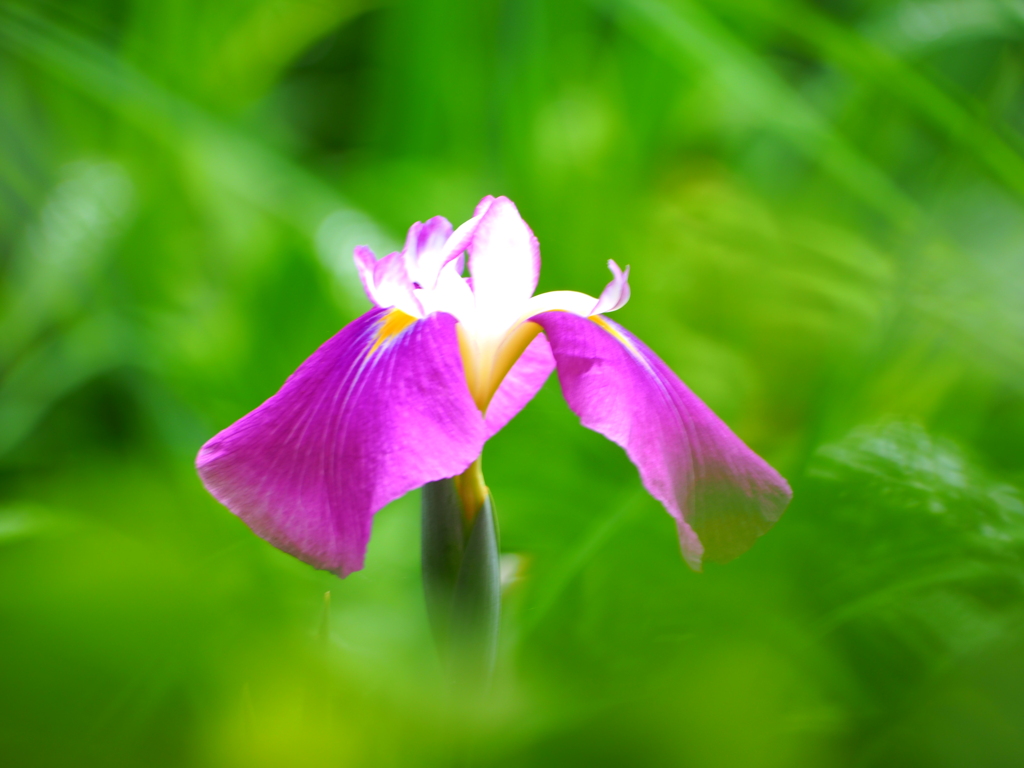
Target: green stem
(462,582)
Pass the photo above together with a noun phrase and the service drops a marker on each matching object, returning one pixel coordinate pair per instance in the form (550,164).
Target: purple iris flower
(409,392)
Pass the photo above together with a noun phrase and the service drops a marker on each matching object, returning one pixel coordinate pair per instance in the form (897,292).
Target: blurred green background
(823,206)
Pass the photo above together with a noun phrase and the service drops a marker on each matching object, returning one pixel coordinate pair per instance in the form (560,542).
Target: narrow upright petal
(380,409)
(456,245)
(616,293)
(722,495)
(520,384)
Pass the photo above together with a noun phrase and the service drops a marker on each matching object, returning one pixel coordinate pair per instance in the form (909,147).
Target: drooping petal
(504,260)
(520,384)
(366,262)
(380,409)
(722,495)
(616,293)
(393,287)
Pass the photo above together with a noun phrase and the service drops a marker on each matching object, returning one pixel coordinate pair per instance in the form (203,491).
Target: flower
(409,392)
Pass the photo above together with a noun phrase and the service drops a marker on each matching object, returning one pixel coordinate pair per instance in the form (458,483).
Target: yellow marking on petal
(468,362)
(486,367)
(614,332)
(511,349)
(394,323)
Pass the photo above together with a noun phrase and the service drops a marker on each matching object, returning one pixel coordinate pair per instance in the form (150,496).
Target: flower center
(487,361)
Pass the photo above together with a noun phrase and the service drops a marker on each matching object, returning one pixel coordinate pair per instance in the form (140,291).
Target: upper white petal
(504,261)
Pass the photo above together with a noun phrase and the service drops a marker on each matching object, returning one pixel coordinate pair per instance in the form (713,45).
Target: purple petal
(722,495)
(380,409)
(520,384)
(504,259)
(616,293)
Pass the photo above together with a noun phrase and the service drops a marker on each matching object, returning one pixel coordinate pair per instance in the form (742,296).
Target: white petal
(504,261)
(568,301)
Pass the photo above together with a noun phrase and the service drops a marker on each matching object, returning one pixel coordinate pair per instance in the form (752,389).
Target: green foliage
(822,206)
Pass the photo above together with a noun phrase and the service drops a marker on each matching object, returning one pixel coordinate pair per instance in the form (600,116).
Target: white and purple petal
(366,263)
(427,238)
(393,287)
(721,494)
(424,250)
(483,205)
(616,293)
(380,409)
